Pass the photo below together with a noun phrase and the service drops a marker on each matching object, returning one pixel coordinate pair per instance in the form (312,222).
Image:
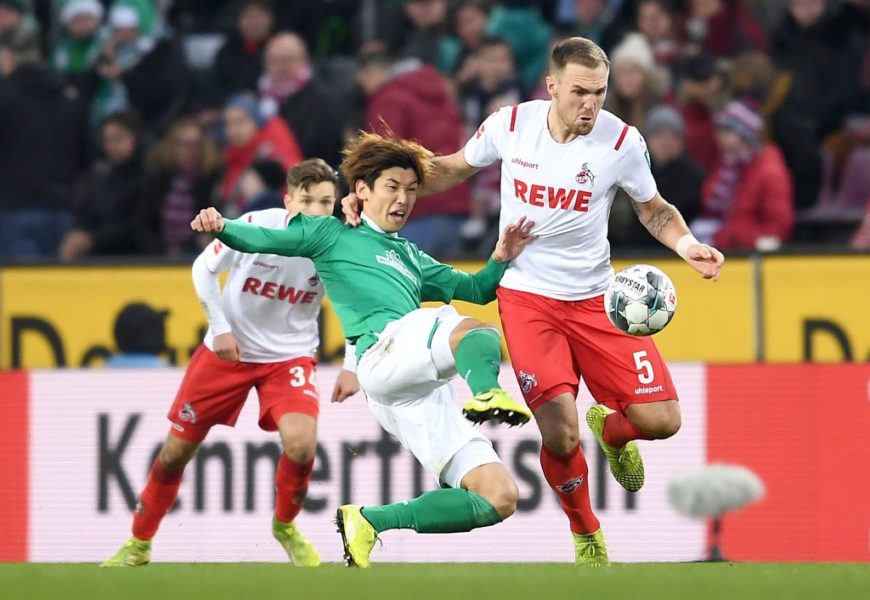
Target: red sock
(291,482)
(568,474)
(155,500)
(618,430)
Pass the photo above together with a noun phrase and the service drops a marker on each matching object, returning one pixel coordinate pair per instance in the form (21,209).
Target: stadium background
(771,364)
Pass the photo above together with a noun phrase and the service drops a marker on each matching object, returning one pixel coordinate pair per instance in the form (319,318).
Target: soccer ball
(641,300)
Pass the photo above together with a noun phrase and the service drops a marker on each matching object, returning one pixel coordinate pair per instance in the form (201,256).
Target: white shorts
(413,400)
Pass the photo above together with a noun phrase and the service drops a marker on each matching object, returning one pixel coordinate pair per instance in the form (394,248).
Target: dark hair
(311,171)
(126,119)
(369,154)
(494,40)
(140,329)
(578,50)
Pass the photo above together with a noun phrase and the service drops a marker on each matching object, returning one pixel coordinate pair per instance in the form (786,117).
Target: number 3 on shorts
(644,367)
(298,377)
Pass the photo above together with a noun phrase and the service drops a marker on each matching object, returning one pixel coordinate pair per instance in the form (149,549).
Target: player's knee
(667,426)
(175,457)
(503,495)
(300,451)
(562,439)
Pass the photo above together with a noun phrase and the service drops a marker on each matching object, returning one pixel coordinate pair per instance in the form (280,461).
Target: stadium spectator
(595,20)
(657,21)
(238,63)
(105,212)
(263,182)
(418,29)
(701,93)
(290,87)
(140,68)
(678,176)
(81,39)
(468,20)
(410,99)
(748,200)
(42,148)
(723,28)
(496,84)
(635,85)
(861,238)
(819,50)
(524,28)
(180,179)
(140,338)
(250,136)
(14,19)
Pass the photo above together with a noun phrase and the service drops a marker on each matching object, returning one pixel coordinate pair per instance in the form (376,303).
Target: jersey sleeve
(445,283)
(635,176)
(484,147)
(303,236)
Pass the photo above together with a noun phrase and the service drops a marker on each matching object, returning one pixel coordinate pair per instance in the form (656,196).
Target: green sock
(478,359)
(446,510)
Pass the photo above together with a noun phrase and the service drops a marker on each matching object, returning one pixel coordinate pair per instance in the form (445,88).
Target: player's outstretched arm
(513,239)
(297,239)
(667,225)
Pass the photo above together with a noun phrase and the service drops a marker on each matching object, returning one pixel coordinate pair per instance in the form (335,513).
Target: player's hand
(351,207)
(208,220)
(706,260)
(346,386)
(226,347)
(513,239)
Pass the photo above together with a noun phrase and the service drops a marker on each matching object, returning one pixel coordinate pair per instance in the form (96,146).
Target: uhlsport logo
(570,485)
(527,381)
(585,176)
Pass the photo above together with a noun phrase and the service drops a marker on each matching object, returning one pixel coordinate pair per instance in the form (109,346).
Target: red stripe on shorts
(14,463)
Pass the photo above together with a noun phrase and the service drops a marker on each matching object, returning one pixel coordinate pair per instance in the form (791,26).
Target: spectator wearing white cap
(748,200)
(81,39)
(140,68)
(636,83)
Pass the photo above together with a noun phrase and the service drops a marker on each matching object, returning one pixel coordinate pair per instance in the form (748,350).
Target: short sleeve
(635,176)
(218,257)
(484,147)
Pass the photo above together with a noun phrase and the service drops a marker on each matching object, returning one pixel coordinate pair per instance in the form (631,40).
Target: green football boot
(134,553)
(590,550)
(626,464)
(496,405)
(357,535)
(299,550)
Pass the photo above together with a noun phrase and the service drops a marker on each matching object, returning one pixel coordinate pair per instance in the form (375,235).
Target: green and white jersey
(371,277)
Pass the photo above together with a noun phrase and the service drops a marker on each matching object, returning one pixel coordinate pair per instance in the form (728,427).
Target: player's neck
(560,132)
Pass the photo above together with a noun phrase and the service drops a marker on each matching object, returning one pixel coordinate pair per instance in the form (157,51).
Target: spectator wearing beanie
(748,200)
(80,42)
(636,86)
(250,136)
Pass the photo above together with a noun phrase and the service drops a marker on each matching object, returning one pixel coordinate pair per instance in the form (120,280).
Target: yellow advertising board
(815,308)
(63,316)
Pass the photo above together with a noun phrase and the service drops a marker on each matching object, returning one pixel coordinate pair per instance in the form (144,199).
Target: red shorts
(553,343)
(213,392)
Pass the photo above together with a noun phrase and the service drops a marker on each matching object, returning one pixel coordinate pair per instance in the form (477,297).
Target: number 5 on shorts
(644,367)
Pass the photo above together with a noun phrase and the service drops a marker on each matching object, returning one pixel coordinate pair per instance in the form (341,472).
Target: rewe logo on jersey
(547,196)
(275,291)
(392,259)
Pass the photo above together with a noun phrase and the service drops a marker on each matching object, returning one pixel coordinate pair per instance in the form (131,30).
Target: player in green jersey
(376,281)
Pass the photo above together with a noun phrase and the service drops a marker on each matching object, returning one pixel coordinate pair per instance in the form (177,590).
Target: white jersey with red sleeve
(270,303)
(566,189)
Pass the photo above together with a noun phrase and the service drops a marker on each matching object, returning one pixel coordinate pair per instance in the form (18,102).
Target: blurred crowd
(120,118)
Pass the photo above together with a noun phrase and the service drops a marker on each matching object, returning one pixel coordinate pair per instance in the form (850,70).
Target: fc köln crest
(585,176)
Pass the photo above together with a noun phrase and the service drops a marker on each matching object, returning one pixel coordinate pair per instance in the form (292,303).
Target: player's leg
(542,360)
(212,392)
(289,402)
(626,372)
(156,499)
(476,349)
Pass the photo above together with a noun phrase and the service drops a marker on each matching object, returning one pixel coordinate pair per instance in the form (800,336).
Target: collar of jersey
(367,220)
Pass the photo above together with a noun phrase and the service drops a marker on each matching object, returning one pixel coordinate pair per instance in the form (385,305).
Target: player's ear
(361,189)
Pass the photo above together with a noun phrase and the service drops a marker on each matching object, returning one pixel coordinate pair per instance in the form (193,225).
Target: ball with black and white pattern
(640,300)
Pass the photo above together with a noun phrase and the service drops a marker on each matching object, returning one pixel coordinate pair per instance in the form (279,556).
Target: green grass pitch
(651,581)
